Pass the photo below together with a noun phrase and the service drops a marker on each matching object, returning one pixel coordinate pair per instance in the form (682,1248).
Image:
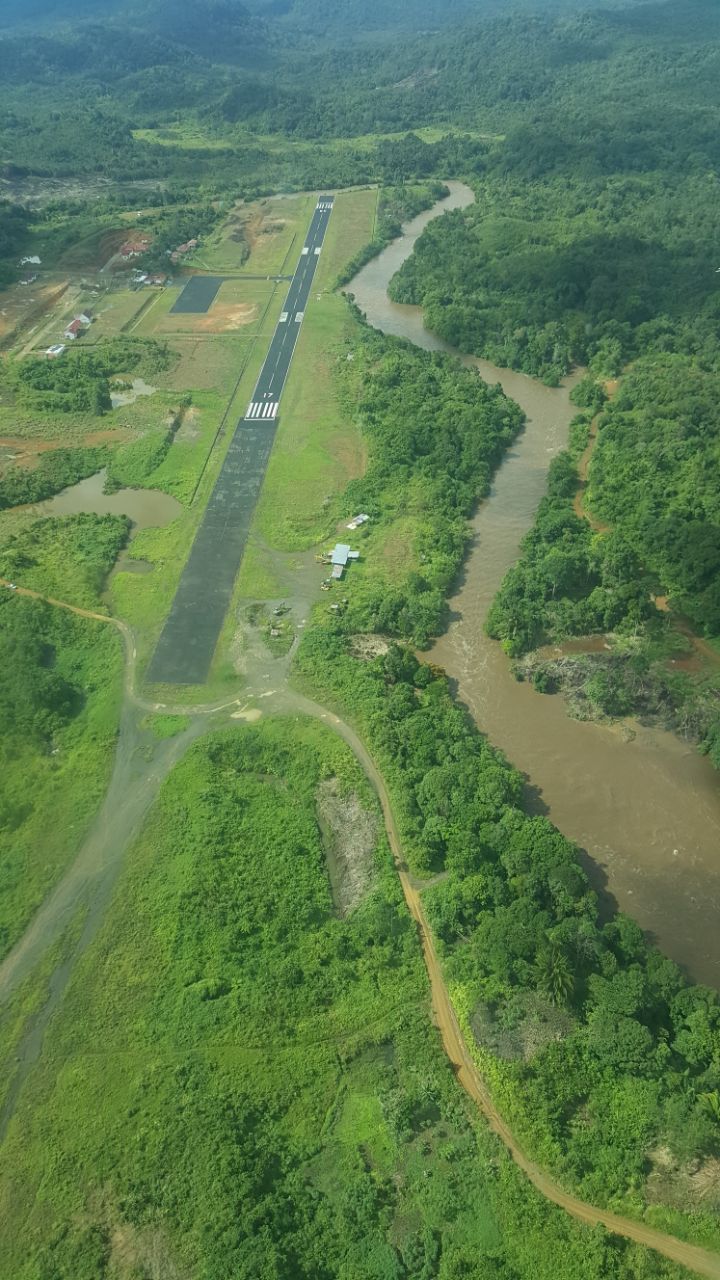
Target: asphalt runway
(198,295)
(189,638)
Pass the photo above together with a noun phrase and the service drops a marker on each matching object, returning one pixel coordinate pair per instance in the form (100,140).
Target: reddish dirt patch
(22,453)
(116,435)
(228,318)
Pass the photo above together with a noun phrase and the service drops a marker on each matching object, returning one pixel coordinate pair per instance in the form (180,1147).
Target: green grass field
(350,229)
(50,793)
(258,238)
(317,450)
(182,1056)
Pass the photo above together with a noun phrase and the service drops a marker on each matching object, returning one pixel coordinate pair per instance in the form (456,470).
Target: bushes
(78,383)
(632,1052)
(516,921)
(435,435)
(68,557)
(131,464)
(55,470)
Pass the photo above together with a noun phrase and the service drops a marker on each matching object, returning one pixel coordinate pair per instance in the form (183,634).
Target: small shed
(74,329)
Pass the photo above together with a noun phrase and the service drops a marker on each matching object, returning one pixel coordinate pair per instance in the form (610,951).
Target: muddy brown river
(642,805)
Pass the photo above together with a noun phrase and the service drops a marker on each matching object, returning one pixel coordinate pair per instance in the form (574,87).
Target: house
(157,281)
(52,353)
(135,248)
(86,317)
(182,249)
(74,330)
(357,521)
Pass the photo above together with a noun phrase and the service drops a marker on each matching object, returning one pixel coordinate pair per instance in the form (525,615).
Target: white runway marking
(283,317)
(260,409)
(305,250)
(299,316)
(317,253)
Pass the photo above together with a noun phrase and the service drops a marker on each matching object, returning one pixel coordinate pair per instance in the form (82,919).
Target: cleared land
(257,238)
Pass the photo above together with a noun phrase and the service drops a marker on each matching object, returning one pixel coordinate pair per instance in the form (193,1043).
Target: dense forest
(645,528)
(548,989)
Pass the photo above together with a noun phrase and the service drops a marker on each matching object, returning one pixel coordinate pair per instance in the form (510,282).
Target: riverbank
(646,811)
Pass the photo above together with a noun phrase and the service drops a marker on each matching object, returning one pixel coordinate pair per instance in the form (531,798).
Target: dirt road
(696,1259)
(90,864)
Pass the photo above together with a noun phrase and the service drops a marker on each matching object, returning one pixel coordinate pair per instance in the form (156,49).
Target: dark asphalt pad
(188,640)
(198,295)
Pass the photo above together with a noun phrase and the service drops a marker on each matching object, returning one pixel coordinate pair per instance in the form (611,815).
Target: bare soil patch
(228,318)
(684,1186)
(143,1251)
(368,646)
(521,1029)
(350,833)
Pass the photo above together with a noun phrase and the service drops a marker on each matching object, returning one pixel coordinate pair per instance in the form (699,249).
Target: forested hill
(316,16)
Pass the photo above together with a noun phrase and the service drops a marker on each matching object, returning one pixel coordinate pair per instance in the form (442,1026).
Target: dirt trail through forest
(36,940)
(696,1259)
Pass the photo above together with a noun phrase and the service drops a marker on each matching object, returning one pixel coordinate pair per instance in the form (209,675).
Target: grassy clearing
(163,1022)
(349,230)
(258,578)
(241,306)
(317,450)
(185,136)
(206,363)
(28,1000)
(115,312)
(166,726)
(53,776)
(276,233)
(257,238)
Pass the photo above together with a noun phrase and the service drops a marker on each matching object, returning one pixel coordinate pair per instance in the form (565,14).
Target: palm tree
(554,973)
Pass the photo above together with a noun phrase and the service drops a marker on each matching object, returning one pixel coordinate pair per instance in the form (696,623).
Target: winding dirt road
(696,1259)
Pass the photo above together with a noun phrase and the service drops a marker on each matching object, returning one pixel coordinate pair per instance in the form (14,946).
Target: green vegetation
(598,1050)
(396,205)
(133,464)
(13,236)
(59,703)
(243,1082)
(166,726)
(435,434)
(69,557)
(79,382)
(54,471)
(268,1096)
(653,480)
